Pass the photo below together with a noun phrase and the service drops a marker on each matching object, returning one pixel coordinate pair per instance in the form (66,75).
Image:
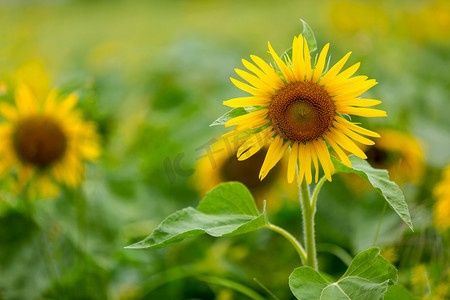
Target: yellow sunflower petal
(346,143)
(9,112)
(344,158)
(274,154)
(331,74)
(66,106)
(253,80)
(247,101)
(292,164)
(308,70)
(301,163)
(357,90)
(356,128)
(272,79)
(324,158)
(253,116)
(353,135)
(320,63)
(46,188)
(26,101)
(281,65)
(267,69)
(256,141)
(360,111)
(298,61)
(314,159)
(360,102)
(339,86)
(249,89)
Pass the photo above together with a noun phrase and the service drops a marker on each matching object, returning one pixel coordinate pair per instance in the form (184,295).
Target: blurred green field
(153,75)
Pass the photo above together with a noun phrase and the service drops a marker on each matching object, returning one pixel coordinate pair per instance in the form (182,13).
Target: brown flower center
(301,111)
(39,141)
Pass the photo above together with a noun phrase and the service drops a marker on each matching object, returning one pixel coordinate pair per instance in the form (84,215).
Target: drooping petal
(353,135)
(356,128)
(256,141)
(324,158)
(292,164)
(344,158)
(274,154)
(346,143)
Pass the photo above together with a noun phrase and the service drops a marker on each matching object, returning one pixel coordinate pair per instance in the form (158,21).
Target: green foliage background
(153,75)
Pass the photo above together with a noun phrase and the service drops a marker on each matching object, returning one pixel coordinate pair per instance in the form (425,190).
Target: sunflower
(441,208)
(302,108)
(220,164)
(398,152)
(45,142)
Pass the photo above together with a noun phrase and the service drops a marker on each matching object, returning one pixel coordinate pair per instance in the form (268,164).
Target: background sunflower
(45,142)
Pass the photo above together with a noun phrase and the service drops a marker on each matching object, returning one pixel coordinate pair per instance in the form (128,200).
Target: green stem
(308,225)
(379,224)
(41,243)
(301,252)
(316,192)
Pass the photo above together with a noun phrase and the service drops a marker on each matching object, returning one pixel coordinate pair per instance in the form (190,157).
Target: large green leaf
(367,278)
(227,210)
(379,179)
(235,112)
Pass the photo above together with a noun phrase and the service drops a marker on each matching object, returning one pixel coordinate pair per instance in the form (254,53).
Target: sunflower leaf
(227,210)
(235,112)
(308,34)
(367,278)
(379,179)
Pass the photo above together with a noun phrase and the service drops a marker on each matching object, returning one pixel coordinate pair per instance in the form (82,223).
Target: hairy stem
(308,225)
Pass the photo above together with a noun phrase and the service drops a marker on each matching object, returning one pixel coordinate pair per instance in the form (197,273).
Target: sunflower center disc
(301,111)
(39,141)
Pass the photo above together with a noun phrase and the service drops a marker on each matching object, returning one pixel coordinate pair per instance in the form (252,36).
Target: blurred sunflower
(398,152)
(441,209)
(301,108)
(220,164)
(45,142)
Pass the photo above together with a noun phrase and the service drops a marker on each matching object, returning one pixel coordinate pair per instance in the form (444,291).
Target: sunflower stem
(298,247)
(308,225)
(316,193)
(41,242)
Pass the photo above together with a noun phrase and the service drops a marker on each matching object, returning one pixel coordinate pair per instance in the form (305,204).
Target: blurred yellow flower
(35,76)
(45,142)
(299,111)
(355,16)
(398,152)
(220,164)
(441,209)
(390,254)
